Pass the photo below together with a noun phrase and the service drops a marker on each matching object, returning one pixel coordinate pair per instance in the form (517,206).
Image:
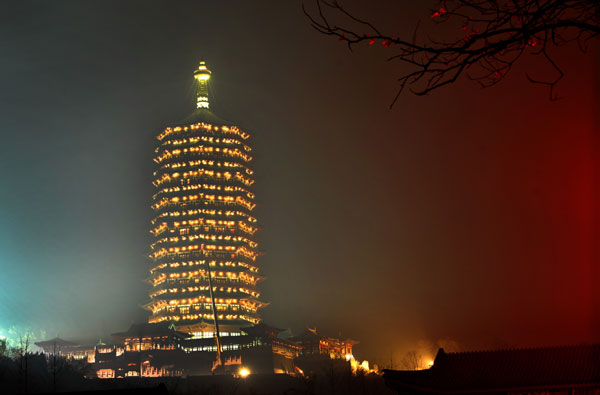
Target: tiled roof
(262,329)
(58,342)
(201,115)
(483,371)
(143,330)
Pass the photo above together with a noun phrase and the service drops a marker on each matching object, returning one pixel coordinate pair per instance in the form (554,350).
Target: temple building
(204,299)
(313,343)
(204,254)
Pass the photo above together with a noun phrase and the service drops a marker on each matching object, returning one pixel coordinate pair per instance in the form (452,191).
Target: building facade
(204,254)
(313,343)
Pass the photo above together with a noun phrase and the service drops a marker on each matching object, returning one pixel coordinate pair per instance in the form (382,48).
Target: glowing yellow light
(244,372)
(203,73)
(196,207)
(430,363)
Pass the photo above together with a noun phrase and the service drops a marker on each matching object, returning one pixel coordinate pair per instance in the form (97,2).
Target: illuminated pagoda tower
(203,226)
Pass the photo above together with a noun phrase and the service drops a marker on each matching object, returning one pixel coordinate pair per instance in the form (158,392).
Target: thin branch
(494,35)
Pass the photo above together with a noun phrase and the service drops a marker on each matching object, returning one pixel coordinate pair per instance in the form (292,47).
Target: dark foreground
(263,384)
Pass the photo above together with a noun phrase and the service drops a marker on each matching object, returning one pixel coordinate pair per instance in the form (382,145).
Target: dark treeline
(23,371)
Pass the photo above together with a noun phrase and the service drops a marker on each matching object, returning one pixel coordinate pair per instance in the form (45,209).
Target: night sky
(468,218)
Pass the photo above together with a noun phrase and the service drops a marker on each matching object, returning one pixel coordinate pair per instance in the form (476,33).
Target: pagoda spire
(202,75)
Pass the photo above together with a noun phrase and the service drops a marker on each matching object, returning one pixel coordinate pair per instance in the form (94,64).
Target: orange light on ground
(244,372)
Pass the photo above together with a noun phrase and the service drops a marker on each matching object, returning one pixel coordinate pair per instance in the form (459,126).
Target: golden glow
(244,372)
(205,127)
(204,174)
(205,199)
(203,223)
(227,213)
(202,75)
(362,367)
(201,149)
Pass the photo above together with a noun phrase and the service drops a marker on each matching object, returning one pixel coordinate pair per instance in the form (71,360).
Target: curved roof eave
(202,115)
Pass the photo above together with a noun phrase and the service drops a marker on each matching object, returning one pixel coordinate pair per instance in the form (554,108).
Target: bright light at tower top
(202,75)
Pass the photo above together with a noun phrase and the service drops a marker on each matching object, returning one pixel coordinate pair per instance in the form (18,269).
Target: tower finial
(202,75)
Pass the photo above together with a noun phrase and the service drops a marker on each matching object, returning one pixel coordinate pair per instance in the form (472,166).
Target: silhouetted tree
(23,350)
(481,39)
(412,360)
(22,371)
(3,348)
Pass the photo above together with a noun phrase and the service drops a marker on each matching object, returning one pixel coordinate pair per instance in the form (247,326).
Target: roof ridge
(513,349)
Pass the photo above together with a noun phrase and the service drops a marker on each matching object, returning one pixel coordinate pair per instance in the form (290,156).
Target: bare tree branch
(492,36)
